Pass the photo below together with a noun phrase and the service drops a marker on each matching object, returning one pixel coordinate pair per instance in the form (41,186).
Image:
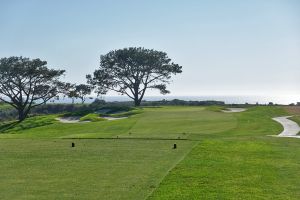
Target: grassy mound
(296,119)
(92,117)
(106,110)
(29,123)
(127,113)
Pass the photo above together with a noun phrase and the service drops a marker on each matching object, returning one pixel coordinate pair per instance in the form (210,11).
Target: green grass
(94,169)
(296,119)
(100,129)
(245,168)
(243,163)
(164,123)
(181,122)
(92,117)
(5,106)
(28,124)
(126,113)
(219,156)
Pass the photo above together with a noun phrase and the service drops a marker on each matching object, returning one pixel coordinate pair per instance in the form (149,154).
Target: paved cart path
(291,128)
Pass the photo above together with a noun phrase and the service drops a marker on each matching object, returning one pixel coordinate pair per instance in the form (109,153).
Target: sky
(227,47)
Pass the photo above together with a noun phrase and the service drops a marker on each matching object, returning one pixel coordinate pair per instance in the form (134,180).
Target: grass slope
(61,130)
(296,119)
(181,122)
(242,163)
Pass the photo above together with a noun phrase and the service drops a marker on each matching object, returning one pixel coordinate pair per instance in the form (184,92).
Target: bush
(60,108)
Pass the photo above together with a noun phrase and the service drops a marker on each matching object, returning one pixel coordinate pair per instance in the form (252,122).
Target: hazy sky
(225,47)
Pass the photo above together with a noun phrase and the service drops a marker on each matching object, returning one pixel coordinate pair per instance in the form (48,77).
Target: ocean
(284,100)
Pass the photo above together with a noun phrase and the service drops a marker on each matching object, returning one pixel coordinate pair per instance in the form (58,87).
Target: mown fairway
(219,156)
(94,169)
(39,162)
(243,163)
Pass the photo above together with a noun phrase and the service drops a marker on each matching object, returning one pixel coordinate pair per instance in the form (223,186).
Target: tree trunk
(137,101)
(21,115)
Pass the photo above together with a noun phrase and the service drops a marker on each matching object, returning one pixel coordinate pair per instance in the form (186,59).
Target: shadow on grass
(7,125)
(32,122)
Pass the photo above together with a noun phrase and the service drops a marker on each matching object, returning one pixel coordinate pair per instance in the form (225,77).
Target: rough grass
(5,106)
(293,110)
(296,118)
(126,113)
(92,117)
(27,124)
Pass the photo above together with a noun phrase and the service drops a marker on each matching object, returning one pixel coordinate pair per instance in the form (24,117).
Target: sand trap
(69,120)
(114,118)
(291,128)
(234,110)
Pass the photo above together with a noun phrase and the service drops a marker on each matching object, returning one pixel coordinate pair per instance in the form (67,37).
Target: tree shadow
(7,126)
(28,123)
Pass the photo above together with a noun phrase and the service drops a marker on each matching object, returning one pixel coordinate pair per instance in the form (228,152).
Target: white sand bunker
(114,118)
(234,110)
(291,128)
(70,120)
(76,119)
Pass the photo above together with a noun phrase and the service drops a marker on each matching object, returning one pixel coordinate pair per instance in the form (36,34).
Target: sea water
(251,99)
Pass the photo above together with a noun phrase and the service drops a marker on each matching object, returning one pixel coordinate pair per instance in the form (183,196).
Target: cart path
(290,128)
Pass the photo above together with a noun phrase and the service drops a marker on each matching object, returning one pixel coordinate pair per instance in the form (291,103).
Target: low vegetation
(92,117)
(127,113)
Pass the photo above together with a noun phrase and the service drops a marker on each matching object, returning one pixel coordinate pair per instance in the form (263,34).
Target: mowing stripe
(172,167)
(124,138)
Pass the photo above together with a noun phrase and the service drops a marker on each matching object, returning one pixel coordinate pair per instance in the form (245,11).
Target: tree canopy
(131,71)
(69,90)
(74,91)
(82,91)
(26,83)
